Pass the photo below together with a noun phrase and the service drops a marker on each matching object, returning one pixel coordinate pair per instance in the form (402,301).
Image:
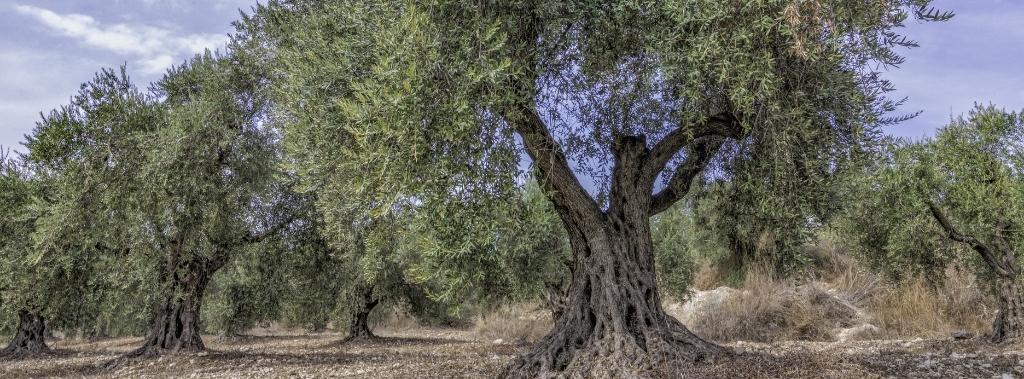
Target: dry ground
(443,353)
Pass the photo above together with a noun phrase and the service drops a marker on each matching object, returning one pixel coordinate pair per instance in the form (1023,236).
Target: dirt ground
(442,353)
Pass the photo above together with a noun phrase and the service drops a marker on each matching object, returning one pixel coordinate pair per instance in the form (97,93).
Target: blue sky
(49,47)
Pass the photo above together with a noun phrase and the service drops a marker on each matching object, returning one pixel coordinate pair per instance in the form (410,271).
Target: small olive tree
(183,175)
(953,199)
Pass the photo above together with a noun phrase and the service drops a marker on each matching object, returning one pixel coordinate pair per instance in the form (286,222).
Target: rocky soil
(441,353)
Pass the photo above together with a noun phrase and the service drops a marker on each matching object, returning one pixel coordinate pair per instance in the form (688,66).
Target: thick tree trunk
(176,326)
(613,325)
(1009,322)
(30,338)
(359,327)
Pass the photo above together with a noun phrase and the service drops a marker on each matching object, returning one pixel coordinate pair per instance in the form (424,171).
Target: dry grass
(916,308)
(841,300)
(707,276)
(768,309)
(398,319)
(515,323)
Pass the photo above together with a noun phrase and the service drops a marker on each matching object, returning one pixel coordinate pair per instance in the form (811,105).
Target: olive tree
(53,243)
(393,101)
(955,199)
(184,173)
(20,274)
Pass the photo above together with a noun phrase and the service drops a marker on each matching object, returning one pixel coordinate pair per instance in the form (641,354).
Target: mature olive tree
(17,225)
(399,100)
(184,174)
(956,198)
(50,247)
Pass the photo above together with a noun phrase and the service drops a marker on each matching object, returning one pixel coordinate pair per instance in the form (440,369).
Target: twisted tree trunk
(359,327)
(30,339)
(612,324)
(176,325)
(1009,322)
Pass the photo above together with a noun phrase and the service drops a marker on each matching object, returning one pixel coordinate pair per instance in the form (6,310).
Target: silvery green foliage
(186,168)
(678,245)
(971,170)
(462,259)
(394,104)
(55,251)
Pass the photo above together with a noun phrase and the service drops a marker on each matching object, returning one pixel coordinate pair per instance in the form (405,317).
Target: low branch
(721,125)
(257,238)
(554,173)
(957,236)
(699,156)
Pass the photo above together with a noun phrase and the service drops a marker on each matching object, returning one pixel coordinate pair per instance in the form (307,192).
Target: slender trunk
(1009,323)
(99,331)
(176,325)
(318,326)
(613,325)
(359,328)
(30,338)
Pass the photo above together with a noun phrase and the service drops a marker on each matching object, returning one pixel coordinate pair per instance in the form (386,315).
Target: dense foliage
(342,159)
(970,172)
(436,105)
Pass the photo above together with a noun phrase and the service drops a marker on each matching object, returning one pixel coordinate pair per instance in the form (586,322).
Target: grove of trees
(340,159)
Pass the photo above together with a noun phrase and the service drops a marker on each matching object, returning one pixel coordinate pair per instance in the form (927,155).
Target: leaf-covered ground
(438,353)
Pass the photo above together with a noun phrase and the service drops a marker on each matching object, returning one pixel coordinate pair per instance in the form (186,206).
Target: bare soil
(445,353)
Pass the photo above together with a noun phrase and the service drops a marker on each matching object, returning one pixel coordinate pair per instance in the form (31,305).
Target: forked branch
(700,154)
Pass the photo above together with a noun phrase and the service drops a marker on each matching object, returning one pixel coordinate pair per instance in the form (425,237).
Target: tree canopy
(440,103)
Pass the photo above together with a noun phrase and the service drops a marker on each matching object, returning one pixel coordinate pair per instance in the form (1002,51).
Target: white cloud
(154,48)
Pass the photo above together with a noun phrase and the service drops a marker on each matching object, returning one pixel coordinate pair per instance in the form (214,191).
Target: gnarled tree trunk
(359,327)
(1009,322)
(612,324)
(30,339)
(175,326)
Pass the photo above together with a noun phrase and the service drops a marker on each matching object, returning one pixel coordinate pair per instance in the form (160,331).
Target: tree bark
(1009,322)
(359,327)
(176,324)
(613,325)
(30,338)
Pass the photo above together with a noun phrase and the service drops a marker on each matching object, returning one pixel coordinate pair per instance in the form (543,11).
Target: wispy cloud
(153,48)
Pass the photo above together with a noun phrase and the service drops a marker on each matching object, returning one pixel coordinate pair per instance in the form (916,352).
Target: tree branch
(957,236)
(700,155)
(722,125)
(554,173)
(223,253)
(257,238)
